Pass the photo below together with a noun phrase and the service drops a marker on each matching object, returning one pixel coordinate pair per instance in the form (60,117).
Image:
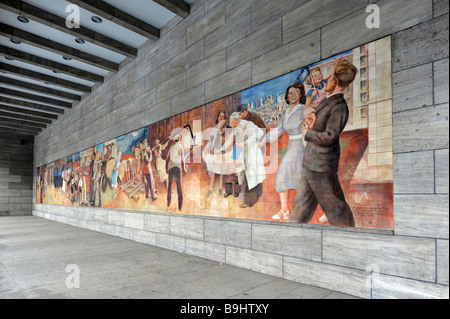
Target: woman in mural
(215,142)
(290,169)
(160,164)
(138,161)
(115,174)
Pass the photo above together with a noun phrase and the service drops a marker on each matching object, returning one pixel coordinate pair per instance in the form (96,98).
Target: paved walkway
(35,254)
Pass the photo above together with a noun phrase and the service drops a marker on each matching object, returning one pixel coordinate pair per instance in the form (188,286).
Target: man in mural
(150,191)
(91,179)
(319,183)
(248,136)
(84,174)
(175,165)
(258,121)
(251,117)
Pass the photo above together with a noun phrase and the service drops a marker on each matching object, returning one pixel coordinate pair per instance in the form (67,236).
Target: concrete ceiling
(44,70)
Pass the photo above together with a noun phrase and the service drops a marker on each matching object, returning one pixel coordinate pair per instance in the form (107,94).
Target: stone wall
(16,175)
(225,46)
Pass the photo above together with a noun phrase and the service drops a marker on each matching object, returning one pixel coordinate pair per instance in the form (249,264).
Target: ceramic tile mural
(287,150)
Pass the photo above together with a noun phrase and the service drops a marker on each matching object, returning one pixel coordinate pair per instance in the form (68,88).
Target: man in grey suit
(319,183)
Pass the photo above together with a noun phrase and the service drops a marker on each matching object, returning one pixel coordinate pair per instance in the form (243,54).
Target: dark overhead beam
(55,47)
(8,124)
(46,18)
(119,17)
(54,66)
(17,127)
(13,109)
(35,106)
(179,7)
(33,97)
(15,132)
(25,118)
(44,77)
(39,89)
(5,119)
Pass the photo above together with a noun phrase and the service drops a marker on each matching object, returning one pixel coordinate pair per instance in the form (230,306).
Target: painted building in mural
(226,160)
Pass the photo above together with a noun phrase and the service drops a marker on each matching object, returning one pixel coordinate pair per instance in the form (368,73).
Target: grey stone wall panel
(388,287)
(351,281)
(398,256)
(288,241)
(421,215)
(351,31)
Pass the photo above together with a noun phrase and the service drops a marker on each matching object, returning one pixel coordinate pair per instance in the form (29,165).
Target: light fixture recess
(96,19)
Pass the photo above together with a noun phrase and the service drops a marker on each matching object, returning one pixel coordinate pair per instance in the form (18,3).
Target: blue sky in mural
(278,85)
(73,158)
(126,142)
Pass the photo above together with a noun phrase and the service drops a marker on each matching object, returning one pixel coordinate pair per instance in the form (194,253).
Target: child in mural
(290,169)
(316,93)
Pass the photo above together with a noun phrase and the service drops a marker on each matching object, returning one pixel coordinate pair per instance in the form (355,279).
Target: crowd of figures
(313,121)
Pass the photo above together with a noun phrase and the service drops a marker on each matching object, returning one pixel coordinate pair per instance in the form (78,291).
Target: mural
(312,146)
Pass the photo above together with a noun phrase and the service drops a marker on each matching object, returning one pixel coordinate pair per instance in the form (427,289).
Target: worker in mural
(175,165)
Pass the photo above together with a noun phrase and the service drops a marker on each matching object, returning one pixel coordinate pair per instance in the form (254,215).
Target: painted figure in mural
(41,184)
(150,191)
(144,150)
(45,180)
(247,137)
(230,181)
(319,183)
(138,161)
(175,165)
(290,169)
(251,117)
(253,195)
(91,178)
(316,93)
(97,180)
(83,176)
(215,142)
(160,164)
(67,175)
(115,174)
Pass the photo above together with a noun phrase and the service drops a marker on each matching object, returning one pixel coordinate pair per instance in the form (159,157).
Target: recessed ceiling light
(67,58)
(79,41)
(96,19)
(56,72)
(23,19)
(8,58)
(15,41)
